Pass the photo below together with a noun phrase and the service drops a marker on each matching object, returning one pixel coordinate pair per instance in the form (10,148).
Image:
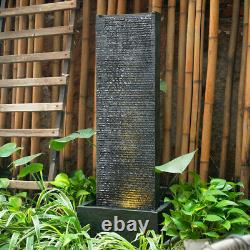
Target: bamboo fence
(188,104)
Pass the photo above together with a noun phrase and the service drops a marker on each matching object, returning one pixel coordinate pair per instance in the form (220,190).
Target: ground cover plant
(48,219)
(212,210)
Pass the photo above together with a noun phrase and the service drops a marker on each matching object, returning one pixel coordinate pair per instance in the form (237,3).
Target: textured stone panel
(127,64)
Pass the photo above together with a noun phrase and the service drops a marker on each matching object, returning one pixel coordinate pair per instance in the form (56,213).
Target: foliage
(51,224)
(177,165)
(163,86)
(149,241)
(8,149)
(213,210)
(77,187)
(59,144)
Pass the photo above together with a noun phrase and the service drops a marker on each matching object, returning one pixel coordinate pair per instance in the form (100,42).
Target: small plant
(212,210)
(110,240)
(77,186)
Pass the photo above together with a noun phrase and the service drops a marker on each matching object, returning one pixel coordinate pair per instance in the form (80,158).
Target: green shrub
(212,210)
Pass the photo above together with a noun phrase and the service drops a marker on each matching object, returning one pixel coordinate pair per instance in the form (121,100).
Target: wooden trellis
(60,81)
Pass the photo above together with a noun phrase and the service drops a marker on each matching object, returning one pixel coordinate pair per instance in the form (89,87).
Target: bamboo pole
(101,7)
(83,80)
(101,10)
(228,87)
(188,80)
(28,91)
(66,155)
(37,72)
(5,71)
(196,83)
(245,155)
(201,74)
(112,7)
(136,6)
(196,157)
(150,5)
(166,154)
(157,6)
(240,102)
(21,73)
(13,97)
(121,7)
(56,69)
(181,73)
(210,88)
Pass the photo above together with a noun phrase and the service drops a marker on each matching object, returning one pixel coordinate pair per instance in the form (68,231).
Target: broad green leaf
(174,188)
(213,217)
(239,220)
(59,144)
(163,86)
(225,203)
(196,178)
(212,235)
(245,202)
(199,224)
(166,199)
(210,198)
(5,247)
(178,165)
(167,219)
(8,149)
(233,195)
(25,160)
(170,231)
(219,183)
(227,187)
(15,202)
(86,133)
(240,184)
(77,175)
(4,183)
(22,195)
(82,193)
(188,213)
(30,169)
(61,181)
(226,224)
(238,211)
(180,224)
(215,192)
